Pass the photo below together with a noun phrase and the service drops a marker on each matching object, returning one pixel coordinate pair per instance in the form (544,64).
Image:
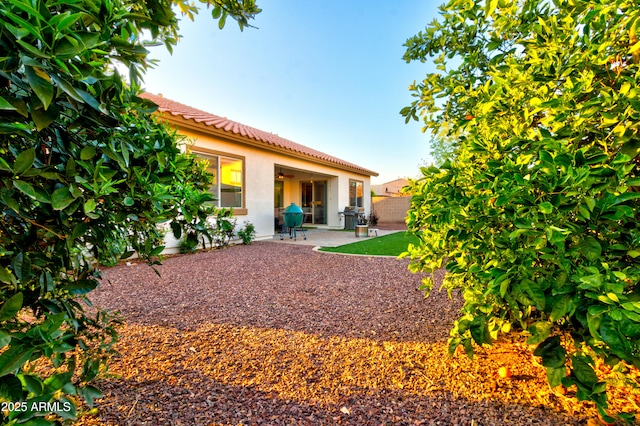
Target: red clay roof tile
(211,120)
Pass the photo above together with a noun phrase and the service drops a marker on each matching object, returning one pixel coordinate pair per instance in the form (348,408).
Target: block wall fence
(390,209)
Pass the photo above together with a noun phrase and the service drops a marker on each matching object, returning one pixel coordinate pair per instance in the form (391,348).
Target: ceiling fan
(281,175)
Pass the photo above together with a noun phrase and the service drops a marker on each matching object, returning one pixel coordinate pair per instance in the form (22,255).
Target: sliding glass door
(314,202)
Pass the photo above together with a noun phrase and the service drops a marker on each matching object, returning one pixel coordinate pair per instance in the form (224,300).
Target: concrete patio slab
(328,237)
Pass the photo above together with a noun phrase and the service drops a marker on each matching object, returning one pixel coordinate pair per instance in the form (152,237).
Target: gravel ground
(278,334)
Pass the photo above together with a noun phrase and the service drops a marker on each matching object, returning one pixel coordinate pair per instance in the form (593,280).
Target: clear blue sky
(325,74)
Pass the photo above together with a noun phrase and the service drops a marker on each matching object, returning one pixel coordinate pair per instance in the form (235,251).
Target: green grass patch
(387,245)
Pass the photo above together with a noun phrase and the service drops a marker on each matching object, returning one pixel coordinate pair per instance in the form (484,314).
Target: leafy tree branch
(86,175)
(534,215)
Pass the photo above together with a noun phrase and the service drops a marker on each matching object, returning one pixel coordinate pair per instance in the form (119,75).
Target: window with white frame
(356,193)
(228,179)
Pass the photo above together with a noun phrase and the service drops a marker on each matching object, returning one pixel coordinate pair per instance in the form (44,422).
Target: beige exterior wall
(391,209)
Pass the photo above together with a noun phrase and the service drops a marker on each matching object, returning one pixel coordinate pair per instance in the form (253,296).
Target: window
(228,177)
(356,192)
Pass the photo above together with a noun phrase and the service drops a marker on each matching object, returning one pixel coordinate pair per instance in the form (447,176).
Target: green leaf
(584,212)
(61,198)
(11,307)
(70,414)
(5,339)
(41,85)
(561,307)
(583,371)
(90,39)
(616,342)
(33,384)
(6,276)
(88,152)
(89,99)
(53,323)
(633,317)
(30,11)
(24,161)
(591,282)
(626,196)
(34,51)
(552,353)
(556,235)
(480,330)
(10,202)
(81,287)
(631,148)
(555,375)
(590,248)
(65,20)
(89,205)
(67,47)
(504,287)
(633,253)
(177,230)
(79,230)
(67,87)
(534,290)
(539,330)
(222,20)
(44,119)
(14,358)
(42,196)
(21,265)
(57,381)
(545,208)
(6,105)
(4,166)
(25,187)
(10,388)
(157,251)
(90,394)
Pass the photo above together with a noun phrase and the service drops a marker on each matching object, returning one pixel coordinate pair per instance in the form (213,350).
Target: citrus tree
(535,214)
(86,175)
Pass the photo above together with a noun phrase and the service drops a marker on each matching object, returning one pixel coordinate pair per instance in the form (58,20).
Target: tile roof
(269,139)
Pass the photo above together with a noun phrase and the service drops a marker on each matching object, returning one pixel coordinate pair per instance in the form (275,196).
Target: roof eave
(205,129)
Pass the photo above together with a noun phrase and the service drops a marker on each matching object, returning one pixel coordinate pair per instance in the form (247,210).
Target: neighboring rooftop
(270,140)
(390,189)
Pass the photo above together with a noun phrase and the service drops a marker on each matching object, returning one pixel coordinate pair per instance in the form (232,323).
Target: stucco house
(259,173)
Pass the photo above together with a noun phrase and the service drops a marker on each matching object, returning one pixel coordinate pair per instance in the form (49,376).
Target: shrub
(535,215)
(248,233)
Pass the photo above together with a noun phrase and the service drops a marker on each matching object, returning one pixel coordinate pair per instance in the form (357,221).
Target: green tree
(86,174)
(535,215)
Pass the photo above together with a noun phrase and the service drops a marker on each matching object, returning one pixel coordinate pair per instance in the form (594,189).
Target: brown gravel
(277,334)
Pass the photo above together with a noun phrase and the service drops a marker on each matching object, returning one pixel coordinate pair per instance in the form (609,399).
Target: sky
(326,74)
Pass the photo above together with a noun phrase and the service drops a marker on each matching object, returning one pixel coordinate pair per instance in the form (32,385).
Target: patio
(332,237)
